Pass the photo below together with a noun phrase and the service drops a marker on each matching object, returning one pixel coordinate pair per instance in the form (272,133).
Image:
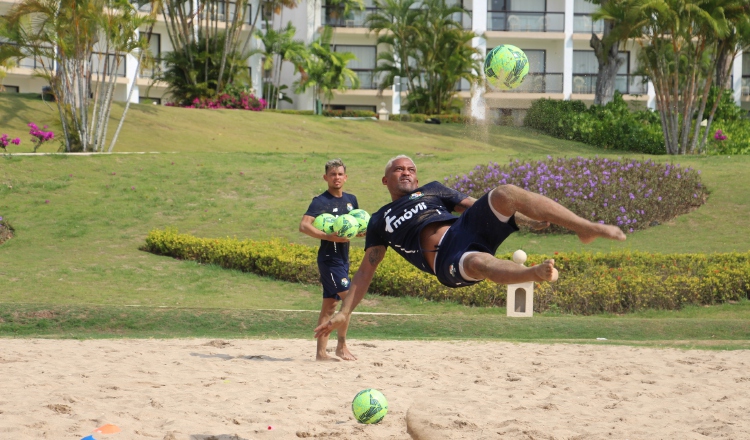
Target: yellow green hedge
(589,283)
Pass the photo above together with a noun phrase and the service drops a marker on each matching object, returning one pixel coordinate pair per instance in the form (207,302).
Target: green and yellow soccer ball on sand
(505,67)
(369,406)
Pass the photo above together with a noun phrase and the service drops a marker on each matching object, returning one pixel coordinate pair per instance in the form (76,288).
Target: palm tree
(682,45)
(394,23)
(80,45)
(278,47)
(325,70)
(430,49)
(618,28)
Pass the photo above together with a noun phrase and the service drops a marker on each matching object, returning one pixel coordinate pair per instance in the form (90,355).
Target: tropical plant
(196,73)
(193,29)
(278,47)
(428,47)
(325,70)
(616,31)
(684,43)
(79,45)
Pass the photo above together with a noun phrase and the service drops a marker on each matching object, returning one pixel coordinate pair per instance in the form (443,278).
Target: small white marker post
(520,301)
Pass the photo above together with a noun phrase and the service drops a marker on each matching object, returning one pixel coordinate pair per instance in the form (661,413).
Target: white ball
(519,256)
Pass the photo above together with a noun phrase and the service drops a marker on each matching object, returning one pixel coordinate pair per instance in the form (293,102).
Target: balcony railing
(220,14)
(334,16)
(583,24)
(624,83)
(37,62)
(525,21)
(153,70)
(367,79)
(106,64)
(540,82)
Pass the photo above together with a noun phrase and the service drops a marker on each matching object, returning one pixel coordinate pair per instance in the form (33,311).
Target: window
(586,69)
(584,7)
(585,62)
(147,100)
(517,5)
(363,65)
(10,89)
(152,70)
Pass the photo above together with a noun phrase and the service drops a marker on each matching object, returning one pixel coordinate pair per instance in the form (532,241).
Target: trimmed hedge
(445,119)
(589,283)
(612,126)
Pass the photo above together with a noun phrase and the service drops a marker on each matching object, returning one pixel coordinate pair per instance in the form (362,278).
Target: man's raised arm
(357,290)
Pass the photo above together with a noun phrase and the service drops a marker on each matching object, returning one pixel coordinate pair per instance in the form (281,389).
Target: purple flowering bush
(39,136)
(628,193)
(5,141)
(232,98)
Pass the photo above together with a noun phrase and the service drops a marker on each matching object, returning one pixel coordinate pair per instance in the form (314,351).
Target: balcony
(106,64)
(525,21)
(220,14)
(539,82)
(153,71)
(33,62)
(583,24)
(367,79)
(334,16)
(625,84)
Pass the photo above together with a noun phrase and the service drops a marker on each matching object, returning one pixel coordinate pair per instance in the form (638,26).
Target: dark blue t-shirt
(399,223)
(336,206)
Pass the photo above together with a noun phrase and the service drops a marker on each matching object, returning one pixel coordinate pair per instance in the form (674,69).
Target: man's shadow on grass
(226,357)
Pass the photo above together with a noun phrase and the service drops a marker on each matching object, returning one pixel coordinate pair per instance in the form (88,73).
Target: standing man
(459,251)
(333,254)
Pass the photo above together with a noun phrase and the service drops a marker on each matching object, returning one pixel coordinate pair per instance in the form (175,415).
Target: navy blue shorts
(334,278)
(477,230)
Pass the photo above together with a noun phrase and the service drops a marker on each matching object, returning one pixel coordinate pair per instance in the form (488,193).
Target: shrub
(453,118)
(630,194)
(612,126)
(734,138)
(349,113)
(589,283)
(293,112)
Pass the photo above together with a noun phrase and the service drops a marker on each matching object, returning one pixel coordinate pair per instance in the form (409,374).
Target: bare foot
(598,230)
(344,353)
(546,271)
(325,358)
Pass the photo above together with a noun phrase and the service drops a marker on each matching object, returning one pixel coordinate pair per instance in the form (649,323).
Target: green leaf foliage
(612,126)
(616,282)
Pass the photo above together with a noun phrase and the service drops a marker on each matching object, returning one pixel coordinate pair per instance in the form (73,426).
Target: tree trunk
(609,64)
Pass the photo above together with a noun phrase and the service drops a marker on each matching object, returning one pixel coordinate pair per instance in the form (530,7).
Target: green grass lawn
(79,221)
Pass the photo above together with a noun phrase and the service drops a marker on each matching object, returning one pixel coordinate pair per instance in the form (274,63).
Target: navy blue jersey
(336,206)
(399,223)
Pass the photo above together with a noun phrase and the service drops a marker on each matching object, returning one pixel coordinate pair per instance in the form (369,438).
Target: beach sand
(237,389)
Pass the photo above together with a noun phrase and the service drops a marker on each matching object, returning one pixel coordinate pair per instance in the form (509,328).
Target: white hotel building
(554,34)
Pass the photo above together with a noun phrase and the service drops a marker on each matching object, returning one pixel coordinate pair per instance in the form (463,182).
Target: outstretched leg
(509,199)
(480,266)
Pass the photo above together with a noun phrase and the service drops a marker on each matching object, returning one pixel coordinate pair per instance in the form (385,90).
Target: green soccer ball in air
(505,67)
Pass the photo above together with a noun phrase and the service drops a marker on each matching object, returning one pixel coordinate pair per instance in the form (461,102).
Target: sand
(272,389)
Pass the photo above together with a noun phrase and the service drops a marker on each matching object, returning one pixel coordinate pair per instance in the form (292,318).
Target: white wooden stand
(520,301)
